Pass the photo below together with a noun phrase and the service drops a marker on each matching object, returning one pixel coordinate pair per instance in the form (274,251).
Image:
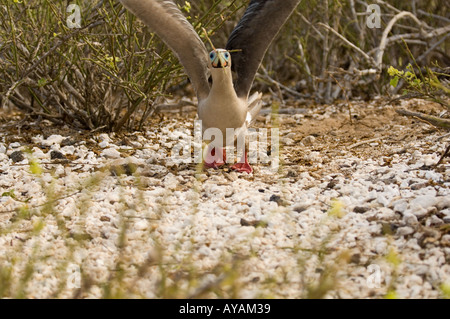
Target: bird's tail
(254,106)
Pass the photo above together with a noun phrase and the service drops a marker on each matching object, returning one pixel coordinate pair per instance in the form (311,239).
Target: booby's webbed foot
(215,159)
(242,168)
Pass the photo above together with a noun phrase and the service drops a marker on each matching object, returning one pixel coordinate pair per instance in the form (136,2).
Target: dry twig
(430,119)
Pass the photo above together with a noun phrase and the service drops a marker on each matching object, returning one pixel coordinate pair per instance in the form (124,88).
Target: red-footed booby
(223,104)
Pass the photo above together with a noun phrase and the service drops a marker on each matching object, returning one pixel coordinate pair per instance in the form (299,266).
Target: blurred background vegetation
(112,73)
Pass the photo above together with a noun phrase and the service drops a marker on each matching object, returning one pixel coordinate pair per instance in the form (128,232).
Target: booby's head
(220,58)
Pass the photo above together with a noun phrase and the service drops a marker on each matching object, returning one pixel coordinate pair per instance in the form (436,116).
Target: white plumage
(224,104)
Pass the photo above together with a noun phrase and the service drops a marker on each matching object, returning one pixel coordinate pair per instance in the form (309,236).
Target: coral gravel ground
(357,209)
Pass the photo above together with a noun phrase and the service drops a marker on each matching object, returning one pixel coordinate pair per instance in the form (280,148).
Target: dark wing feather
(166,20)
(254,33)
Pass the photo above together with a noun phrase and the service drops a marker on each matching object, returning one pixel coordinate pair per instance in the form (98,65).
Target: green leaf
(394,81)
(392,71)
(9,194)
(35,168)
(391,294)
(445,290)
(393,257)
(337,209)
(42,82)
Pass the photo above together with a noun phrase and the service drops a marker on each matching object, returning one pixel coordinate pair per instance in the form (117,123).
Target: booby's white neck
(222,108)
(222,84)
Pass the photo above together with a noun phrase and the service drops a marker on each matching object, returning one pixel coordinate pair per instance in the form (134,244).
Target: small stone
(53,139)
(424,201)
(383,199)
(127,169)
(67,142)
(15,145)
(231,176)
(355,258)
(410,219)
(241,232)
(400,205)
(360,209)
(388,228)
(103,144)
(434,221)
(39,154)
(445,240)
(418,211)
(429,236)
(291,173)
(104,137)
(69,150)
(300,208)
(17,156)
(56,155)
(443,202)
(418,186)
(331,184)
(141,225)
(309,140)
(287,141)
(314,157)
(276,199)
(404,231)
(170,181)
(153,170)
(253,223)
(111,153)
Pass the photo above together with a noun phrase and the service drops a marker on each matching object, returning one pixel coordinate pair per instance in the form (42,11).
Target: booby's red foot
(214,165)
(242,168)
(214,160)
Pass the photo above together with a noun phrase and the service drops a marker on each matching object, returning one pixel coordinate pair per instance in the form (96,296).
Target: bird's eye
(227,55)
(212,55)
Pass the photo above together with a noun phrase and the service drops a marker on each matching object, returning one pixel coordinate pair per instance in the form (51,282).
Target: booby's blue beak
(220,58)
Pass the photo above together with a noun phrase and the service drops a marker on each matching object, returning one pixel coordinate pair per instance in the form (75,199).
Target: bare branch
(431,49)
(435,16)
(369,59)
(384,37)
(434,120)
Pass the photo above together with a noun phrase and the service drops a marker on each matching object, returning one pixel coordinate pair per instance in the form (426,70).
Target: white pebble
(403,231)
(445,240)
(104,137)
(424,201)
(103,144)
(443,202)
(400,205)
(417,211)
(68,150)
(309,140)
(15,145)
(111,153)
(53,139)
(409,218)
(141,225)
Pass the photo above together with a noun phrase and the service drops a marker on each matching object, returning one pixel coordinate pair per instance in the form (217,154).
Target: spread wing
(166,20)
(254,33)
